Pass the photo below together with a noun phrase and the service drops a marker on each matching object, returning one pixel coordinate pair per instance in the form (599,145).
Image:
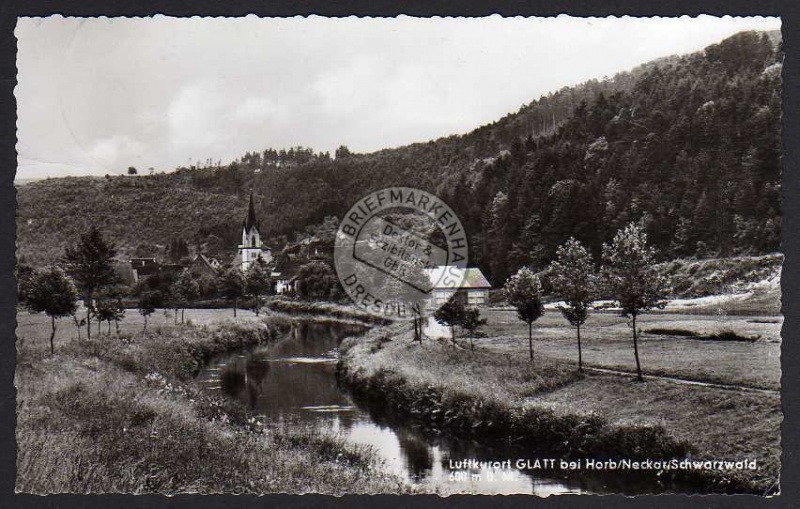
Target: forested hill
(688,146)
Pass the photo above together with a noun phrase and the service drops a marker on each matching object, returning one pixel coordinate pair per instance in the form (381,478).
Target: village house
(250,250)
(285,274)
(143,268)
(468,284)
(202,266)
(294,256)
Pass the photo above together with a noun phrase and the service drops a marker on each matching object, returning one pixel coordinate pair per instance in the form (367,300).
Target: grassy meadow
(670,344)
(120,414)
(496,391)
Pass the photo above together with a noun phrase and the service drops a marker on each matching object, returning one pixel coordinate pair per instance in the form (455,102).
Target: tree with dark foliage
(185,289)
(258,284)
(317,281)
(574,281)
(450,314)
(523,291)
(631,279)
(108,306)
(230,282)
(472,322)
(149,300)
(50,292)
(89,262)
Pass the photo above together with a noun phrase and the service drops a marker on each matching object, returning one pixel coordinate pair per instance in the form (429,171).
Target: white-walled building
(448,280)
(251,248)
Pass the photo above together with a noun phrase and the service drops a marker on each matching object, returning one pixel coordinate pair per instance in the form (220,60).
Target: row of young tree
(87,272)
(626,275)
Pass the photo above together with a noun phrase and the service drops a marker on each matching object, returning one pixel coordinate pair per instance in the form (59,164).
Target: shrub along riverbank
(546,407)
(327,309)
(121,415)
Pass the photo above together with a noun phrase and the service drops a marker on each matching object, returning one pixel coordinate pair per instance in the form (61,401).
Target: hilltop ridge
(689,146)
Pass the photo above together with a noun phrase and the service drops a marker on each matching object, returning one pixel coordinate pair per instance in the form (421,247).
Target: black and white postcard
(490,255)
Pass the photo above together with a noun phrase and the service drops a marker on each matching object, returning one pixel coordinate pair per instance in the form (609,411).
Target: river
(294,380)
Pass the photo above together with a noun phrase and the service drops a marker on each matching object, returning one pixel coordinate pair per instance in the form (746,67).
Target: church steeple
(251,248)
(251,220)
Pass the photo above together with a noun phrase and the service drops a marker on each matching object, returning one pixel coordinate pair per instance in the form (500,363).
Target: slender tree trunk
(471,344)
(183,310)
(176,316)
(52,335)
(145,324)
(88,317)
(580,356)
(453,335)
(530,339)
(636,351)
(235,305)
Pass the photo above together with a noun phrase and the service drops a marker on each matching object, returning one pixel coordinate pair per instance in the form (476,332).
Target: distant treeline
(689,147)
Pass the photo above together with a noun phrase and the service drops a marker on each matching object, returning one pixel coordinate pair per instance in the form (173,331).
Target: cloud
(193,118)
(256,110)
(116,150)
(211,118)
(98,95)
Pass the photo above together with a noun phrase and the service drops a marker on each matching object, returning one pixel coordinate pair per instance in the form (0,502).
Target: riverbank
(548,408)
(325,309)
(121,414)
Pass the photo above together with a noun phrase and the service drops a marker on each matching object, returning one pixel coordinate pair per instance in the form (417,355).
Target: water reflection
(294,380)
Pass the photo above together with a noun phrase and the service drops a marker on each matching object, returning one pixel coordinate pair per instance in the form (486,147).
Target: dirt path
(684,381)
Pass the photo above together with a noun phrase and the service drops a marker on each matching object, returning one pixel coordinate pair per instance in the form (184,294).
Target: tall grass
(325,308)
(495,397)
(120,417)
(486,395)
(179,352)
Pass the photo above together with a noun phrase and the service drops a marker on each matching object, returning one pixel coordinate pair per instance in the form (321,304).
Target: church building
(251,248)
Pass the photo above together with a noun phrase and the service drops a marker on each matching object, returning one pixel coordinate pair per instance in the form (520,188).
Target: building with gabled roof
(449,281)
(202,266)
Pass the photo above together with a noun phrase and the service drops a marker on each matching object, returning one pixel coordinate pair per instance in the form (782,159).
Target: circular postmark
(395,248)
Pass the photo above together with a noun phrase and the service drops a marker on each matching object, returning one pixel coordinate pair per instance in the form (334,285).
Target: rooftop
(450,276)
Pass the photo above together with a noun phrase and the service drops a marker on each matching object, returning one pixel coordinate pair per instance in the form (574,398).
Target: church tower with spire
(251,248)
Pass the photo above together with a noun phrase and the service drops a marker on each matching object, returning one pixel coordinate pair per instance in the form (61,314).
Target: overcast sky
(98,95)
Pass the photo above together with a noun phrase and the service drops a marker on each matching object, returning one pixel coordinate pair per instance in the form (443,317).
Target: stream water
(294,380)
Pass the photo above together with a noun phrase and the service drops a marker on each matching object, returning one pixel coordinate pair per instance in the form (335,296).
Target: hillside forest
(687,147)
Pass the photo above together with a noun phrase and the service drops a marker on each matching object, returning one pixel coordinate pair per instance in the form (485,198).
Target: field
(119,414)
(607,342)
(736,422)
